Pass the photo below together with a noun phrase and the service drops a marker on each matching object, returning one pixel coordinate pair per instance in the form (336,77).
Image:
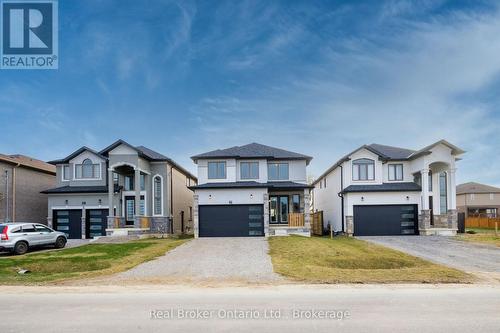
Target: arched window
(157,195)
(363,169)
(87,169)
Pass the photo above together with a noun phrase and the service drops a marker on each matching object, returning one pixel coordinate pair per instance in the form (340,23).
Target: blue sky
(320,78)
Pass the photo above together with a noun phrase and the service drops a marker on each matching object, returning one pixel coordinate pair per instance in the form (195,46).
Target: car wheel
(60,242)
(21,248)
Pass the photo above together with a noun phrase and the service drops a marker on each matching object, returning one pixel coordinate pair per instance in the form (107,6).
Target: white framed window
(395,172)
(249,170)
(157,195)
(65,172)
(492,196)
(277,171)
(87,170)
(363,169)
(217,170)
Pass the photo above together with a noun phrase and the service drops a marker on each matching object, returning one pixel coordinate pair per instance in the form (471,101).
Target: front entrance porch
(132,208)
(438,215)
(289,213)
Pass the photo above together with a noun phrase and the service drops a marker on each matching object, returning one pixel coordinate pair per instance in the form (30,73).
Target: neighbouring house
(385,190)
(120,190)
(251,190)
(478,200)
(21,180)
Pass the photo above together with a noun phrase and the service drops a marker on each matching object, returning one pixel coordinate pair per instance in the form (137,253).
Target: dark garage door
(382,220)
(69,222)
(231,220)
(97,222)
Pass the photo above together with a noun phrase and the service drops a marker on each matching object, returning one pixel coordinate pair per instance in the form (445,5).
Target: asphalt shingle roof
(385,187)
(476,188)
(253,150)
(79,189)
(252,184)
(392,153)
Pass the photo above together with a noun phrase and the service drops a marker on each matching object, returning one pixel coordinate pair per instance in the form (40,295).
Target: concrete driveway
(448,251)
(210,260)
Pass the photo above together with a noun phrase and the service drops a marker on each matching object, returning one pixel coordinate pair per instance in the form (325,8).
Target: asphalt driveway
(210,259)
(448,251)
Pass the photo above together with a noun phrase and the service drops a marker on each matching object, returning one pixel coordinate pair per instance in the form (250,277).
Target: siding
(31,205)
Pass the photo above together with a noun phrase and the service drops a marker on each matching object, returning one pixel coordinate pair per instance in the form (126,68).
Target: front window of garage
(216,170)
(363,169)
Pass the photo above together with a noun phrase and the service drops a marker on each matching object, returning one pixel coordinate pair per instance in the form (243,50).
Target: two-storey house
(251,190)
(385,190)
(120,190)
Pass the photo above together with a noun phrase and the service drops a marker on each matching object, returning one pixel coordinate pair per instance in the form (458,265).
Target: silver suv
(19,237)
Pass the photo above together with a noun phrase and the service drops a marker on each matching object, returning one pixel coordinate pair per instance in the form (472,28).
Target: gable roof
(473,187)
(74,154)
(391,153)
(142,151)
(253,150)
(426,150)
(28,162)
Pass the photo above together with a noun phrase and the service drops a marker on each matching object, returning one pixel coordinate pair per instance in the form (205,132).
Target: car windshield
(1,228)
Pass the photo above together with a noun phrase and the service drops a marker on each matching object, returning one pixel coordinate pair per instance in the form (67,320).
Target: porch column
(452,200)
(425,188)
(424,219)
(111,190)
(452,189)
(307,213)
(137,187)
(196,229)
(266,214)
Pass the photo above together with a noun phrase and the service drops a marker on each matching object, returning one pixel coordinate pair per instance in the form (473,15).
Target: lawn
(349,260)
(82,262)
(484,236)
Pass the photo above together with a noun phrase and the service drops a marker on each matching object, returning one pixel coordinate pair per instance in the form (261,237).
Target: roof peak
(253,150)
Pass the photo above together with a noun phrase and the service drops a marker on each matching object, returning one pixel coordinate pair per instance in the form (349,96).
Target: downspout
(341,195)
(14,192)
(6,195)
(172,199)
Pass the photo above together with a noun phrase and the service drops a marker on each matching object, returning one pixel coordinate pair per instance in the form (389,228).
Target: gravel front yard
(210,259)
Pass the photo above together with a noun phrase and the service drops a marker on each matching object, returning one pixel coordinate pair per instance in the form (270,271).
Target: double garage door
(231,220)
(69,221)
(385,220)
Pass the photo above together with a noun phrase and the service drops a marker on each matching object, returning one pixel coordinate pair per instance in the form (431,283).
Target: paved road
(205,259)
(365,309)
(445,250)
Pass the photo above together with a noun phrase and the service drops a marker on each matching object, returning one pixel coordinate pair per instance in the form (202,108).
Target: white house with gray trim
(120,190)
(386,190)
(251,190)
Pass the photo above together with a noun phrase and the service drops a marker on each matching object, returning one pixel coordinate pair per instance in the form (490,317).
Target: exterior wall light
(362,198)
